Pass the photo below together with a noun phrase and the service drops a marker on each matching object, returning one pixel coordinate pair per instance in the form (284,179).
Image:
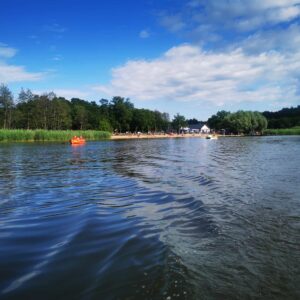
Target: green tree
(178,122)
(162,121)
(122,111)
(105,125)
(24,109)
(104,109)
(239,122)
(262,122)
(6,105)
(138,120)
(284,118)
(80,117)
(25,96)
(60,114)
(219,121)
(47,111)
(246,122)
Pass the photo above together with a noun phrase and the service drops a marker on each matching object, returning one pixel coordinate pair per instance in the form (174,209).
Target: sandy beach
(155,136)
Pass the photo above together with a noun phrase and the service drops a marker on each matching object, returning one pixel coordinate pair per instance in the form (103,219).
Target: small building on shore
(195,128)
(184,129)
(205,129)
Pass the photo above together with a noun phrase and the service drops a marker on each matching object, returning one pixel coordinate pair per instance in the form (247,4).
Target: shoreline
(158,136)
(31,136)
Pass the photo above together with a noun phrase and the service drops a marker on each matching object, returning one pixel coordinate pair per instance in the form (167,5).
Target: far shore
(157,136)
(24,135)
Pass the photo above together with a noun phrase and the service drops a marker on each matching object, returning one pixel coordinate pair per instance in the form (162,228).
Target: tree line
(50,112)
(245,122)
(284,118)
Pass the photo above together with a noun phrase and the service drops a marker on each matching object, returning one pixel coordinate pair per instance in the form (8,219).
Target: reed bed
(283,131)
(21,135)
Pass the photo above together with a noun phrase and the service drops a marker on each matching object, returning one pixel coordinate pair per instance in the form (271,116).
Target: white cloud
(283,40)
(248,15)
(7,52)
(269,16)
(284,14)
(11,73)
(173,23)
(241,16)
(144,34)
(188,74)
(256,41)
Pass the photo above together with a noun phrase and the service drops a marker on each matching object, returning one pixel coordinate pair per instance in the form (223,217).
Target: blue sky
(194,57)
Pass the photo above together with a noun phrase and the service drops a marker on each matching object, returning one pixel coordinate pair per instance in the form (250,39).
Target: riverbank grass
(21,135)
(283,131)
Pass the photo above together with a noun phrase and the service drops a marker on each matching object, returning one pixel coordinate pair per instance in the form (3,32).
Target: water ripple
(151,219)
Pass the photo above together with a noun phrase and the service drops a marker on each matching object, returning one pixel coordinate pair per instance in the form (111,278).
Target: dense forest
(51,112)
(284,118)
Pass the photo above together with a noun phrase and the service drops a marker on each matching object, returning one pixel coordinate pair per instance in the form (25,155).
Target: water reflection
(151,219)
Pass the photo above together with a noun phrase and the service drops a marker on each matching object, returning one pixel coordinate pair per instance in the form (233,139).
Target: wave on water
(150,219)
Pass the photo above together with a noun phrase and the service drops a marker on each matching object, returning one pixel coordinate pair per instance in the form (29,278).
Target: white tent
(205,129)
(184,129)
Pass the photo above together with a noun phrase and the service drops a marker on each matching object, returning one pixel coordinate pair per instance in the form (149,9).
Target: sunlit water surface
(151,219)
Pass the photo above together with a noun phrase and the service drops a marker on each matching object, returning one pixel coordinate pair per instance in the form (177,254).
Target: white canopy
(204,128)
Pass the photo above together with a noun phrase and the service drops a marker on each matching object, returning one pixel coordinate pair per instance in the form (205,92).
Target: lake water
(151,219)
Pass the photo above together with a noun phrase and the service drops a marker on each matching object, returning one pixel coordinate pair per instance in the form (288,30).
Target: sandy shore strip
(155,136)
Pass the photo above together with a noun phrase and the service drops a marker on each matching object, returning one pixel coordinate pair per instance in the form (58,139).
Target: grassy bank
(285,131)
(20,135)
